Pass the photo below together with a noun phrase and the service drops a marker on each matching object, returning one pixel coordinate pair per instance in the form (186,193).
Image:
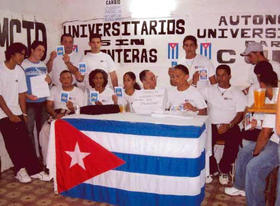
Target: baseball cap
(252,47)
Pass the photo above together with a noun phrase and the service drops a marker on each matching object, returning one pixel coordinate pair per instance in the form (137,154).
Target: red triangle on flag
(173,45)
(206,45)
(78,157)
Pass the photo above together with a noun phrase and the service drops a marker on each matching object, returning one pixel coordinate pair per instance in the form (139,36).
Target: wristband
(24,114)
(193,85)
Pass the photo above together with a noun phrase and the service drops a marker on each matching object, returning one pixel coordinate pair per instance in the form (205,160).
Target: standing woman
(130,85)
(36,107)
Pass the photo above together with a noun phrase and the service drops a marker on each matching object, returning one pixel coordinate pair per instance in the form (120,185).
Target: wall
(199,17)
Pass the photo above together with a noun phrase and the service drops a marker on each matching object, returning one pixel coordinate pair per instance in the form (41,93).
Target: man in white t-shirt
(257,159)
(226,105)
(13,116)
(69,61)
(202,72)
(62,101)
(148,79)
(99,60)
(253,54)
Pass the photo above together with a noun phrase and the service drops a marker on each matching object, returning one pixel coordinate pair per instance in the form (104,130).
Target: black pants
(19,146)
(232,140)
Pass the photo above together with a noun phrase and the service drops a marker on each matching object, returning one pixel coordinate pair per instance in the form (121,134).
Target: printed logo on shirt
(173,50)
(206,49)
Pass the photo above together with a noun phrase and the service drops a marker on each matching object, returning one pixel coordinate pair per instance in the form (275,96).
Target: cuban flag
(164,163)
(173,50)
(205,49)
(75,48)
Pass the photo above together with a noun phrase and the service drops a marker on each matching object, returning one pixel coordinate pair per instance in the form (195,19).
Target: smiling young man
(226,105)
(202,72)
(96,59)
(13,116)
(36,107)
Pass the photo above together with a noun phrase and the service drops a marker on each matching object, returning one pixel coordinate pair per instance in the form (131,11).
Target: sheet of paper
(39,87)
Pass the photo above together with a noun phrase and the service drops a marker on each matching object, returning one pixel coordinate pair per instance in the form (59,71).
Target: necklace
(189,66)
(222,90)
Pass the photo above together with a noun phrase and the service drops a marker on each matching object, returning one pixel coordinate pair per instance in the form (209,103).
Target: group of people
(195,86)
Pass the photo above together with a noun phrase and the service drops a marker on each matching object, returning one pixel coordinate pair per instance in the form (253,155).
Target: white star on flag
(77,156)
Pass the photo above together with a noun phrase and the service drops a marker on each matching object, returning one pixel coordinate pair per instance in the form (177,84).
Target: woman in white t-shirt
(185,96)
(130,87)
(98,80)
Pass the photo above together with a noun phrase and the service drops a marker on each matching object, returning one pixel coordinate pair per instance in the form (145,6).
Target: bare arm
(22,102)
(50,62)
(8,112)
(114,78)
(262,140)
(50,108)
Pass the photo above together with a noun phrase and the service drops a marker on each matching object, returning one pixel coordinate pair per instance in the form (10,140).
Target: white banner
(138,44)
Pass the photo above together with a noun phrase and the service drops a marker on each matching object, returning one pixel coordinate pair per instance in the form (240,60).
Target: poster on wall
(156,44)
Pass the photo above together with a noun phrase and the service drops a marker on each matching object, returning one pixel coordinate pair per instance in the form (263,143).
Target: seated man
(57,106)
(257,159)
(225,105)
(148,79)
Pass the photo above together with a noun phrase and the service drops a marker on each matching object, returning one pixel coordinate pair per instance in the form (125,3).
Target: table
(267,108)
(165,159)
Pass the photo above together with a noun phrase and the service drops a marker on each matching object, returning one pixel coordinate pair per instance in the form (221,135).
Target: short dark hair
(65,35)
(269,78)
(93,35)
(142,75)
(182,68)
(14,48)
(93,73)
(192,38)
(133,77)
(262,67)
(35,44)
(224,67)
(64,72)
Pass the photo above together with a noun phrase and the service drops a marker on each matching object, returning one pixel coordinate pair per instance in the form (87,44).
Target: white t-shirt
(269,122)
(99,60)
(252,78)
(223,104)
(176,99)
(76,96)
(105,97)
(12,83)
(59,66)
(201,64)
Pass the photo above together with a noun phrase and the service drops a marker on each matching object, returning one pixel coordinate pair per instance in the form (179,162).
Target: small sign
(93,97)
(247,121)
(64,97)
(119,91)
(82,68)
(60,50)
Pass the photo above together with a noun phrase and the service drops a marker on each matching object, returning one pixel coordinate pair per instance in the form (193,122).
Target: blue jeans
(278,182)
(251,172)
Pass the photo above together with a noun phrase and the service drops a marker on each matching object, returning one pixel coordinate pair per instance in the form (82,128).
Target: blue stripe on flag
(205,52)
(182,167)
(168,51)
(201,49)
(210,51)
(172,49)
(129,198)
(177,51)
(136,128)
